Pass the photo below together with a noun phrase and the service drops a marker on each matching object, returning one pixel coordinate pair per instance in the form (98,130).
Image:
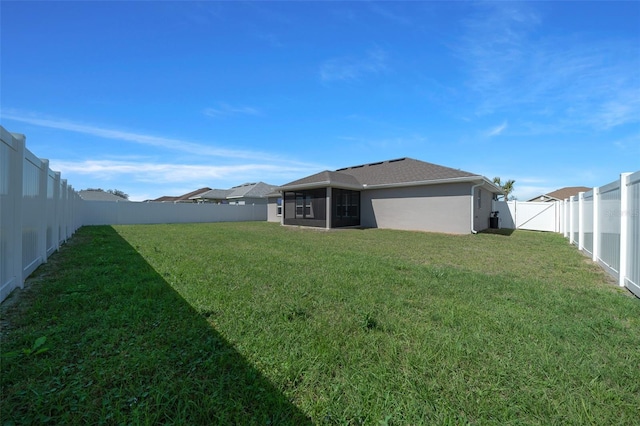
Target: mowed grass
(254,323)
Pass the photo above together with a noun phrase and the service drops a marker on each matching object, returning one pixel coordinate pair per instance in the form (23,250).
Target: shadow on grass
(502,231)
(124,347)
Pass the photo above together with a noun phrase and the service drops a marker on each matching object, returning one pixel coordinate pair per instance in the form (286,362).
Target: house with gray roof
(560,194)
(100,195)
(247,193)
(403,193)
(184,198)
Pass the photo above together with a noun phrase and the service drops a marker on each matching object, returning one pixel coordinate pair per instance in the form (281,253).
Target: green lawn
(254,323)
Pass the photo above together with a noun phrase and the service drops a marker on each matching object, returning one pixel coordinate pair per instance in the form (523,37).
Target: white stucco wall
(434,208)
(272,211)
(482,212)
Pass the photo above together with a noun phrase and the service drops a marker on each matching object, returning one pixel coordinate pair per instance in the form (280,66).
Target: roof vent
(397,159)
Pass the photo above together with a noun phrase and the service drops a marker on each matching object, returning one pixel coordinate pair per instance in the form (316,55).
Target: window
(279,207)
(479,198)
(299,206)
(304,207)
(347,204)
(307,207)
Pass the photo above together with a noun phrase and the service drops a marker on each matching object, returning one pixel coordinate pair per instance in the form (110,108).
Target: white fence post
(595,252)
(63,211)
(17,183)
(571,224)
(580,221)
(55,228)
(625,217)
(42,187)
(567,215)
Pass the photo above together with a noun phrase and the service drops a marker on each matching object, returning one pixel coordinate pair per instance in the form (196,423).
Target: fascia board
(323,184)
(487,184)
(466,179)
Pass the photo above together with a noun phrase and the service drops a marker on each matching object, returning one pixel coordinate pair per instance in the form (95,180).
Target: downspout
(473,188)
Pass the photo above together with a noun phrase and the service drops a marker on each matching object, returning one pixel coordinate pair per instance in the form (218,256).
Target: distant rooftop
(562,193)
(94,195)
(246,190)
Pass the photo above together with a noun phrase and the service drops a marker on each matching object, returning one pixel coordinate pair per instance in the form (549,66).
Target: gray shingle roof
(99,196)
(251,190)
(213,194)
(327,178)
(398,171)
(189,195)
(402,170)
(562,193)
(246,190)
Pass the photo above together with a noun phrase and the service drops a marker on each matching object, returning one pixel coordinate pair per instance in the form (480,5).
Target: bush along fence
(38,212)
(605,224)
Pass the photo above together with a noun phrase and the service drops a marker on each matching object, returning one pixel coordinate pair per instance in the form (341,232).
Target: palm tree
(507,188)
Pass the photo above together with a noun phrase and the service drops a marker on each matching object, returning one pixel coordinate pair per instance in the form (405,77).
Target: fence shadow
(173,366)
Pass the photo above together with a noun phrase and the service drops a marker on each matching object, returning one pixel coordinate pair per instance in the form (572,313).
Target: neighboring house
(163,199)
(396,194)
(247,193)
(561,194)
(89,195)
(185,198)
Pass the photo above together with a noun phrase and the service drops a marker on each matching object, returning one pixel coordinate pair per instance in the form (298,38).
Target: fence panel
(587,222)
(632,281)
(31,199)
(10,260)
(609,225)
(533,216)
(130,213)
(575,220)
(536,216)
(31,213)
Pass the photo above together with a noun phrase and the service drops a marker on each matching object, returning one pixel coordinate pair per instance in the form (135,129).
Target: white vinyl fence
(605,223)
(533,216)
(38,212)
(130,213)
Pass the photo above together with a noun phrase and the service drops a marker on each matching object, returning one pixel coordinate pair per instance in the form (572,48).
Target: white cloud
(577,81)
(354,68)
(498,130)
(226,110)
(169,173)
(140,138)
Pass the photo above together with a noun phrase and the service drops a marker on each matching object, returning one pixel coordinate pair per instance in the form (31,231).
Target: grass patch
(254,323)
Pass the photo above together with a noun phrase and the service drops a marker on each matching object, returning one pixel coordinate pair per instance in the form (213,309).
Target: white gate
(534,216)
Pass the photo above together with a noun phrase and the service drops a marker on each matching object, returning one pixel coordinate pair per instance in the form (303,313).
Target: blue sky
(161,98)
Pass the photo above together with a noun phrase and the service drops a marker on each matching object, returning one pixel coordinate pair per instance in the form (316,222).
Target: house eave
(466,179)
(486,183)
(324,184)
